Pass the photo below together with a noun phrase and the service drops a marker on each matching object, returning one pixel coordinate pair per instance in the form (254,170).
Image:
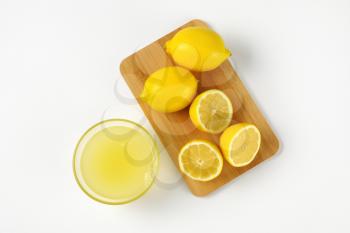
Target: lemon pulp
(211,111)
(116,163)
(240,143)
(200,160)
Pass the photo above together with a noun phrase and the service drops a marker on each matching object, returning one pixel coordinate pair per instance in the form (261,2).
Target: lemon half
(200,160)
(169,89)
(197,48)
(240,143)
(211,111)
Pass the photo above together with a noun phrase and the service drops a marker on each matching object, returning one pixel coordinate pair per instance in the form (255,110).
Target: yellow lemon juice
(116,161)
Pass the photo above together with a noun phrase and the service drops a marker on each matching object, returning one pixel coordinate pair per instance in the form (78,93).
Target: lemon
(211,111)
(240,143)
(169,89)
(197,48)
(200,160)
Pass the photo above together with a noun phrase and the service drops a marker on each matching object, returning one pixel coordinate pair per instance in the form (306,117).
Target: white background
(59,68)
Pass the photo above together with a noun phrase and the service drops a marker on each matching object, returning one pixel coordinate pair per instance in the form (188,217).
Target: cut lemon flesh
(240,143)
(200,160)
(211,111)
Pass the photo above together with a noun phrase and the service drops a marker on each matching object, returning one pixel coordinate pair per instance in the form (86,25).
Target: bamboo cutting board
(176,129)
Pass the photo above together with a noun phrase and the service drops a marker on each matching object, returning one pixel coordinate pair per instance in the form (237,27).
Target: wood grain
(176,129)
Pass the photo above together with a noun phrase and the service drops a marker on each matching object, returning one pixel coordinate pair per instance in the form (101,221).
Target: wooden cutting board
(176,129)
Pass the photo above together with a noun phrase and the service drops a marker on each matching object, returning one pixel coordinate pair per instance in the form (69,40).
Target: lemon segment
(169,89)
(200,160)
(197,48)
(240,143)
(211,111)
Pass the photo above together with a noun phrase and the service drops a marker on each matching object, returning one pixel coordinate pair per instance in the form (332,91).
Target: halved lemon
(200,160)
(211,111)
(240,143)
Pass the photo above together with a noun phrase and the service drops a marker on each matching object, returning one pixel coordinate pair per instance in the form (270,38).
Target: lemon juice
(116,161)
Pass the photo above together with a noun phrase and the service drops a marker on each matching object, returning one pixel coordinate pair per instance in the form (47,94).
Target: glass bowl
(116,161)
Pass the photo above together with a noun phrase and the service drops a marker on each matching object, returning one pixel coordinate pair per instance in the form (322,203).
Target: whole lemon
(197,48)
(169,89)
